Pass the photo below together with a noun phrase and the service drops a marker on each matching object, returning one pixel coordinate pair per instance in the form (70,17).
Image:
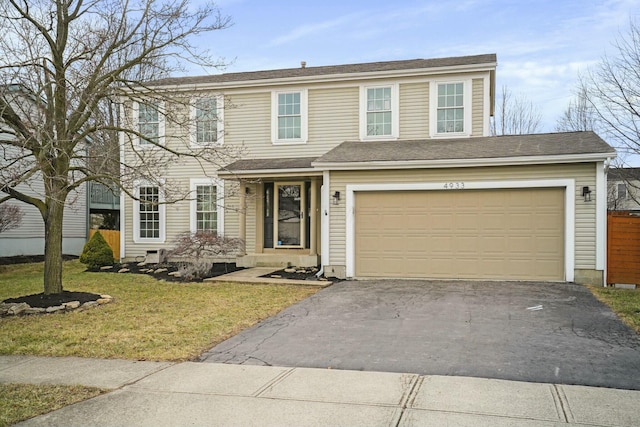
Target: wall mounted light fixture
(586,193)
(336,198)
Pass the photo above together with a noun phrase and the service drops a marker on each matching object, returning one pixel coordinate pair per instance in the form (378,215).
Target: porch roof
(270,167)
(538,148)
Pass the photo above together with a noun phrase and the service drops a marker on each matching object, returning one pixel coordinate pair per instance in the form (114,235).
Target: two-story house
(383,169)
(16,165)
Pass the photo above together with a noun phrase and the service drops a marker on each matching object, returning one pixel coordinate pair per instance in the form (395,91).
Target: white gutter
(448,163)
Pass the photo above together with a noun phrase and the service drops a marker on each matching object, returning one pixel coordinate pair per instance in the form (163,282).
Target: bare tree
(10,217)
(515,115)
(579,115)
(612,89)
(67,68)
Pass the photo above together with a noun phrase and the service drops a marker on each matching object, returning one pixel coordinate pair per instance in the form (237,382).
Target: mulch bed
(217,269)
(44,301)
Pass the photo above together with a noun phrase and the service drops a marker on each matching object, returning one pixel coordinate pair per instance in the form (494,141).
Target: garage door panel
(500,234)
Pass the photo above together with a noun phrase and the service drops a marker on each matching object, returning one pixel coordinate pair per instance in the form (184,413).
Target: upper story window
(622,191)
(206,119)
(149,122)
(289,117)
(206,206)
(378,112)
(149,214)
(451,111)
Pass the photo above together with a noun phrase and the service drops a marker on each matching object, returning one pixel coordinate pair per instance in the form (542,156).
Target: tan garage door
(479,234)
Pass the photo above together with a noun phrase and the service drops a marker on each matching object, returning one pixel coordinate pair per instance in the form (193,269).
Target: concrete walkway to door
(524,331)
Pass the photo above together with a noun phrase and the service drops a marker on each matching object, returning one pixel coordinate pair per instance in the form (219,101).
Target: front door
(290,216)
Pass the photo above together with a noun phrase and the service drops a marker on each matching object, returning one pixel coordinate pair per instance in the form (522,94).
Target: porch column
(314,217)
(242,211)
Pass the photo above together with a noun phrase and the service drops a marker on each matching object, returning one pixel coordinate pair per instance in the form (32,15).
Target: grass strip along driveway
(149,319)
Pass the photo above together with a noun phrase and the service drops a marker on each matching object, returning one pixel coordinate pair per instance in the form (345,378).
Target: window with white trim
(622,191)
(450,108)
(207,213)
(379,112)
(149,123)
(289,116)
(206,119)
(149,214)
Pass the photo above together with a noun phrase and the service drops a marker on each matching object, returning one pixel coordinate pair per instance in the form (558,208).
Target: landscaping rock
(159,270)
(142,264)
(106,267)
(71,305)
(105,296)
(175,274)
(276,276)
(123,270)
(90,304)
(102,301)
(33,310)
(16,309)
(54,308)
(289,270)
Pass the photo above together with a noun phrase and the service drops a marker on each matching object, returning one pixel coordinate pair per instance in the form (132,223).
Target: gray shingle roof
(269,164)
(619,174)
(551,144)
(331,69)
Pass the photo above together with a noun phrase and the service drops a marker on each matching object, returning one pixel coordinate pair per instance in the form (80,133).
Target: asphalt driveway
(525,331)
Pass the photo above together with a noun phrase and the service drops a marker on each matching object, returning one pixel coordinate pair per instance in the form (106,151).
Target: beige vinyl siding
(333,118)
(584,174)
(477,104)
(32,225)
(414,110)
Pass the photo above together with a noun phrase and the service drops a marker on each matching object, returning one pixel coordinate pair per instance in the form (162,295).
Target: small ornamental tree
(96,252)
(200,246)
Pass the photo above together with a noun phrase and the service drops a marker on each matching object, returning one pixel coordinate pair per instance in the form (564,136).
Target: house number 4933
(453,185)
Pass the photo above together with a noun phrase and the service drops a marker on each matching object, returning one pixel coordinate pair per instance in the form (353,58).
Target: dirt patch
(44,301)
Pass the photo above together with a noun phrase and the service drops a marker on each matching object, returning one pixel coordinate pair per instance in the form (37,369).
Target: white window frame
(395,111)
(219,184)
(193,125)
(626,191)
(136,214)
(161,125)
(433,107)
(304,120)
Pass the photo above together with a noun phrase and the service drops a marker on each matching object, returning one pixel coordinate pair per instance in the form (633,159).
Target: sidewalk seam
(410,397)
(564,404)
(270,384)
(134,381)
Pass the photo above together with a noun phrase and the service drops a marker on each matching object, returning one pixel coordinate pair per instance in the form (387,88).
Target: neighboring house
(385,169)
(28,238)
(623,186)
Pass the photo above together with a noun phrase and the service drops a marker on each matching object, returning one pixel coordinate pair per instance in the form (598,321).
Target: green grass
(149,319)
(624,302)
(19,402)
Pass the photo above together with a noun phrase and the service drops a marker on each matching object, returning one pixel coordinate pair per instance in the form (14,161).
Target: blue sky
(541,45)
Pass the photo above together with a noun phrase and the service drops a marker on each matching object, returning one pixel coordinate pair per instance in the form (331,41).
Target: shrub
(96,252)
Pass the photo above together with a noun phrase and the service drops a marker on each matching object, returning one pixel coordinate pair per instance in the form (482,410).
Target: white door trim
(569,209)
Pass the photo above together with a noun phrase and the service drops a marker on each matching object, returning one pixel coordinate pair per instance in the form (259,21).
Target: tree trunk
(53,247)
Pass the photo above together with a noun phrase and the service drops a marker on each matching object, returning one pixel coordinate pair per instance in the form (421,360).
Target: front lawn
(149,319)
(624,302)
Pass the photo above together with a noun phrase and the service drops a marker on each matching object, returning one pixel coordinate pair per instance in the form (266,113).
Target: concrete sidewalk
(165,394)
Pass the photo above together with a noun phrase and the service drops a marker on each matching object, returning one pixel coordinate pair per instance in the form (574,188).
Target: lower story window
(206,212)
(149,213)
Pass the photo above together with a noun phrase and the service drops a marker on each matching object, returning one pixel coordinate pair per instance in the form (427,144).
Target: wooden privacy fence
(113,239)
(623,247)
